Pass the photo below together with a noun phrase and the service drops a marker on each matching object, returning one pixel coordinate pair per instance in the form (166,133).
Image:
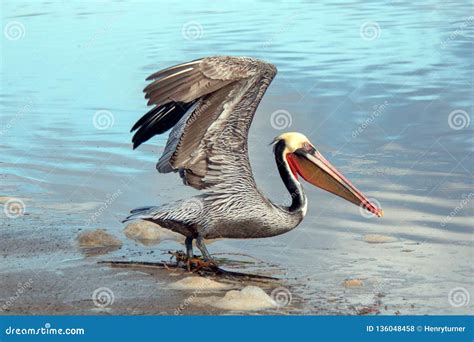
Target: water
(384,90)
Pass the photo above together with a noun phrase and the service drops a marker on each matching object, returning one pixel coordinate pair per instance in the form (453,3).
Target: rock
(248,299)
(378,238)
(98,241)
(149,233)
(353,283)
(97,238)
(198,283)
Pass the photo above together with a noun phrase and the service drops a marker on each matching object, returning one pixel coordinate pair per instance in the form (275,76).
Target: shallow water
(383,90)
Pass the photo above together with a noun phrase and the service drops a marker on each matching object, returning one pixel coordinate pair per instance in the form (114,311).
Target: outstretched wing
(210,104)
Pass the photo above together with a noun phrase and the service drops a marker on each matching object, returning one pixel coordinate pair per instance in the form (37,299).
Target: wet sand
(64,279)
(44,271)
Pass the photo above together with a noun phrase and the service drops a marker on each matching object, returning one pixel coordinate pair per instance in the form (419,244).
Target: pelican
(209,104)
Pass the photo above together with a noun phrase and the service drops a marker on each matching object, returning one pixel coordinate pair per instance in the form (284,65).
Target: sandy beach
(46,272)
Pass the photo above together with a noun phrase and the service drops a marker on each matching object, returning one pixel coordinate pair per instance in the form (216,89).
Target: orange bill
(317,170)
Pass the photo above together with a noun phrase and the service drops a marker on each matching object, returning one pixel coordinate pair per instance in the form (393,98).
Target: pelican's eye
(307,146)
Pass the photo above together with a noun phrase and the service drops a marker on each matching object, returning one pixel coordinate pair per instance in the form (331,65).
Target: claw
(194,264)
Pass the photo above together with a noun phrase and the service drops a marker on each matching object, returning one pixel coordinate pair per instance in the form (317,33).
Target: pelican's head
(304,160)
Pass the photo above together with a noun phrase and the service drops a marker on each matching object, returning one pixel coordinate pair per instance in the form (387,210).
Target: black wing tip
(137,140)
(158,120)
(136,144)
(128,218)
(143,134)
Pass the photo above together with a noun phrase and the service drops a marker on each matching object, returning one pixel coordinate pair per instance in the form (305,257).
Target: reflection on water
(384,90)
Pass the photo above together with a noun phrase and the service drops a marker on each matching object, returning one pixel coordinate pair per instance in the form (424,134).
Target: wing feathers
(173,69)
(173,91)
(170,79)
(210,104)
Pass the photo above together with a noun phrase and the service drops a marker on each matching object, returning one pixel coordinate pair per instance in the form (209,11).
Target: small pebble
(353,283)
(378,238)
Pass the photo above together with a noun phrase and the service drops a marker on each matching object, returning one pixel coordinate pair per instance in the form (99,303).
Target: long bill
(317,170)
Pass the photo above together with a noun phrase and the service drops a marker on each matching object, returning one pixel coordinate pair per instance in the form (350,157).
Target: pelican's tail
(183,211)
(142,213)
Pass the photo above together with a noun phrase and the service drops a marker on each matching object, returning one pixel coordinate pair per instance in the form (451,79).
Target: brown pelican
(210,104)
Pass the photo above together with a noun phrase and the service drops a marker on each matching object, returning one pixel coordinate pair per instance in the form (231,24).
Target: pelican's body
(210,104)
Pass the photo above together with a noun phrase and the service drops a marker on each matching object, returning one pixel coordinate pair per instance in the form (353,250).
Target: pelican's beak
(315,169)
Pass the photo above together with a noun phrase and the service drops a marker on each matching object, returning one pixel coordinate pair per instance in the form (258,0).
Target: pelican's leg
(202,247)
(189,247)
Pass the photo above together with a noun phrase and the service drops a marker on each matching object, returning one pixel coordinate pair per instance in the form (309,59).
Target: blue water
(384,89)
